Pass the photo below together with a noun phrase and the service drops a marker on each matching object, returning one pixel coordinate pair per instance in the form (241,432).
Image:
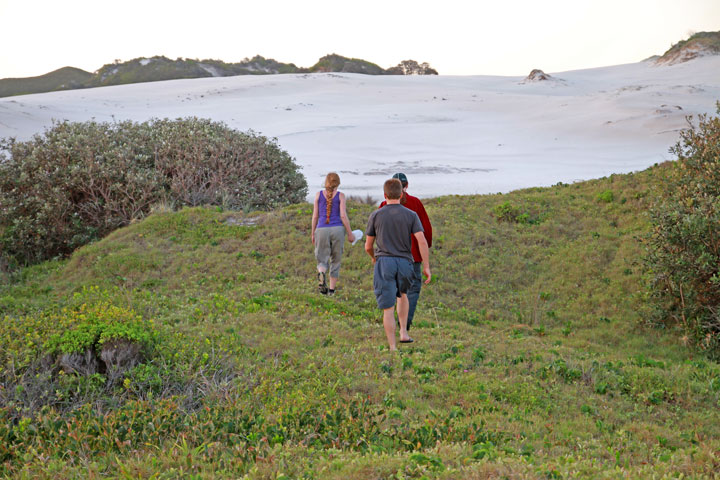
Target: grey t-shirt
(392,226)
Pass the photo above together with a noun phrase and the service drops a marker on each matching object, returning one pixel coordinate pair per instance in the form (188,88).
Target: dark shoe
(409,340)
(330,292)
(322,284)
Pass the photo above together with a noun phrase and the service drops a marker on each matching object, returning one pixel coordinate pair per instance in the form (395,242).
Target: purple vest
(335,220)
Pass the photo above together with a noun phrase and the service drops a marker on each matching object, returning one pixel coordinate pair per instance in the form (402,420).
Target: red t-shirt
(414,204)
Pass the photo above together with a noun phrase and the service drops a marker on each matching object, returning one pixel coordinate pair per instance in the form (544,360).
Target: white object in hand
(358,235)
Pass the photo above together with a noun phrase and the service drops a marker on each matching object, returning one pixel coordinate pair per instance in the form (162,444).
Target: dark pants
(413,292)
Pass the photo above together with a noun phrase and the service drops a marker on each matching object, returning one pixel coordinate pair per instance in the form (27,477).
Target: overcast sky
(473,37)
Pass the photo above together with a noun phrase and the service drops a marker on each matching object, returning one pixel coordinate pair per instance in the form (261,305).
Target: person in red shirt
(414,204)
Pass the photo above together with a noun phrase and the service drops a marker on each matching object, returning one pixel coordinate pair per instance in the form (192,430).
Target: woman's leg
(337,244)
(322,255)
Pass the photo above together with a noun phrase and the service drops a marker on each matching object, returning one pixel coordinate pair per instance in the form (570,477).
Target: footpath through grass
(530,357)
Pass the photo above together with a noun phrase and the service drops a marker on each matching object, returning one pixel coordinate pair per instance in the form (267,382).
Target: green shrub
(606,196)
(79,181)
(75,355)
(478,355)
(683,250)
(92,326)
(507,212)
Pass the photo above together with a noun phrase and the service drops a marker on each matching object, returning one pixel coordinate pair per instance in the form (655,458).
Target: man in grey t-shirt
(393,226)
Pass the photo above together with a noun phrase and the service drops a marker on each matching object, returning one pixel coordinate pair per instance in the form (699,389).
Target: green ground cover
(531,357)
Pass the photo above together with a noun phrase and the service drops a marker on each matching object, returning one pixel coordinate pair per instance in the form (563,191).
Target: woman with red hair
(329,225)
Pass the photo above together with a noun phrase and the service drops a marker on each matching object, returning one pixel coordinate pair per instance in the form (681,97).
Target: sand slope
(460,135)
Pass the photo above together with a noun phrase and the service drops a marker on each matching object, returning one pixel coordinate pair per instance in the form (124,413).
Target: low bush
(91,327)
(100,338)
(683,250)
(507,212)
(79,181)
(606,196)
(75,355)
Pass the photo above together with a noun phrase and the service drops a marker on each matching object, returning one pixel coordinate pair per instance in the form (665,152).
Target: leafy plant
(682,257)
(606,196)
(79,181)
(508,212)
(92,326)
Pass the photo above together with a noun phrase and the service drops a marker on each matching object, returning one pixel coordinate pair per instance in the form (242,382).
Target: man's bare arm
(369,247)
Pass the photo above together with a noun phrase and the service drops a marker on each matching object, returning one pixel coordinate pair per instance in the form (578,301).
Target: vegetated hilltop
(160,68)
(66,78)
(530,359)
(698,45)
(338,63)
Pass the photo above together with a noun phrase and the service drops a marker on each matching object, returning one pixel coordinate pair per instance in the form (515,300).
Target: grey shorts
(393,276)
(329,244)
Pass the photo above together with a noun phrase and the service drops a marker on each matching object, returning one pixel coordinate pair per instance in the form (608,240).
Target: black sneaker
(322,284)
(330,292)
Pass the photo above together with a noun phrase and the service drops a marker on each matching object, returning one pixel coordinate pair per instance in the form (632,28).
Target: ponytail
(332,181)
(328,196)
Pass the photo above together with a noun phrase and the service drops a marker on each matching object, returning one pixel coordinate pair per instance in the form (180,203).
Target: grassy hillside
(66,78)
(530,359)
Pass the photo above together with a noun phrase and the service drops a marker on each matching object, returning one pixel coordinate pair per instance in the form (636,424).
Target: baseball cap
(401,177)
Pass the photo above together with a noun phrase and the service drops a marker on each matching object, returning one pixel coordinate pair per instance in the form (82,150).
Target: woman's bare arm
(344,217)
(314,223)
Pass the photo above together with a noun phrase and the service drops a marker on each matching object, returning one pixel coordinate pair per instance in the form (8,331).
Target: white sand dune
(450,135)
